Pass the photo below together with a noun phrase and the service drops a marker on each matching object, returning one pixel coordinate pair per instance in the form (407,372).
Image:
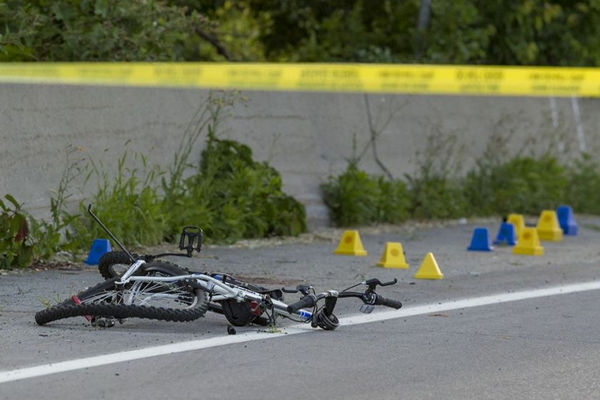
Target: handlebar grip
(307,301)
(382,301)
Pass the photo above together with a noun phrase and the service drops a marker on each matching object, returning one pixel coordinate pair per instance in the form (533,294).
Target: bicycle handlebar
(379,300)
(368,297)
(307,301)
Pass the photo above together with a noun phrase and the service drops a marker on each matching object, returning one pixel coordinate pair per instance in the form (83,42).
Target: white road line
(88,362)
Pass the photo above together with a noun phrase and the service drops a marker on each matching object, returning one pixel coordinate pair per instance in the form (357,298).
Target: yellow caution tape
(368,78)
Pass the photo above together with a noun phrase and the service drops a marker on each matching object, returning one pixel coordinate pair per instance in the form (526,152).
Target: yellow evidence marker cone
(518,221)
(548,227)
(429,269)
(529,243)
(350,245)
(393,256)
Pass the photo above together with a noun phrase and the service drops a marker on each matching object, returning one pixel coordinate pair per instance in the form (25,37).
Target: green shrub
(494,187)
(356,198)
(435,197)
(583,187)
(46,237)
(435,190)
(231,196)
(522,184)
(228,194)
(393,201)
(16,247)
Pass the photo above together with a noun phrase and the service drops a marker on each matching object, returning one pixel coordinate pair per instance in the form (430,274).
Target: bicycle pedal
(366,308)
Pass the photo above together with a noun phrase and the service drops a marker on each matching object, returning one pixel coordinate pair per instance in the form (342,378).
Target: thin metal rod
(109,233)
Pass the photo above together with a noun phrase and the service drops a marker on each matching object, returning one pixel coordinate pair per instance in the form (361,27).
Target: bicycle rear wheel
(166,301)
(114,263)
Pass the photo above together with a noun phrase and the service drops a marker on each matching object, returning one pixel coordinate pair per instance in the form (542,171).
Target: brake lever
(304,289)
(372,283)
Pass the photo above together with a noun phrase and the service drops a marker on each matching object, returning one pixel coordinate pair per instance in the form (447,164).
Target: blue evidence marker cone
(480,241)
(99,247)
(506,234)
(566,220)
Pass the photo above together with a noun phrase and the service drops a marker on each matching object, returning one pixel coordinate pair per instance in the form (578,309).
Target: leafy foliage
(583,185)
(16,248)
(356,198)
(495,186)
(128,204)
(73,30)
(435,197)
(341,30)
(227,193)
(434,189)
(232,196)
(48,235)
(521,184)
(528,32)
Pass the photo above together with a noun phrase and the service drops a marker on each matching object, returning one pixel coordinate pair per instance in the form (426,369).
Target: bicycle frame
(218,291)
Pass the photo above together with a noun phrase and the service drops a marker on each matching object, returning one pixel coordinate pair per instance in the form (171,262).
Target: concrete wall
(306,136)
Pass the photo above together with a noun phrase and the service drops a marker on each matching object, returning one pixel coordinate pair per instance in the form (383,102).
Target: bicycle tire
(108,262)
(120,311)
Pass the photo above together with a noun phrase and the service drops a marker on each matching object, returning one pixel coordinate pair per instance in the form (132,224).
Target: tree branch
(214,42)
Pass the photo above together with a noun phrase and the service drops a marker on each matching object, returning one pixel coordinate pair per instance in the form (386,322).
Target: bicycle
(147,287)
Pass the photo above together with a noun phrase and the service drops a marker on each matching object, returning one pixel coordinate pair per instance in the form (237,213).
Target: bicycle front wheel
(166,301)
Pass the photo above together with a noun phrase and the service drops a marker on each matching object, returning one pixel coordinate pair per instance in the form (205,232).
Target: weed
(434,191)
(128,203)
(356,198)
(47,303)
(272,329)
(228,194)
(238,196)
(48,235)
(207,117)
(16,244)
(522,184)
(583,188)
(497,185)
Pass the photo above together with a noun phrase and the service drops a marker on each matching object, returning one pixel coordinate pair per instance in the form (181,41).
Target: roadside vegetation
(227,193)
(231,195)
(483,32)
(440,189)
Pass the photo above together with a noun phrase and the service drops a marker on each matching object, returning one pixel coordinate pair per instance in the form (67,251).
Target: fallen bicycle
(147,287)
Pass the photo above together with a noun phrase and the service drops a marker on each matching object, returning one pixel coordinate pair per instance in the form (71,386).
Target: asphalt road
(544,347)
